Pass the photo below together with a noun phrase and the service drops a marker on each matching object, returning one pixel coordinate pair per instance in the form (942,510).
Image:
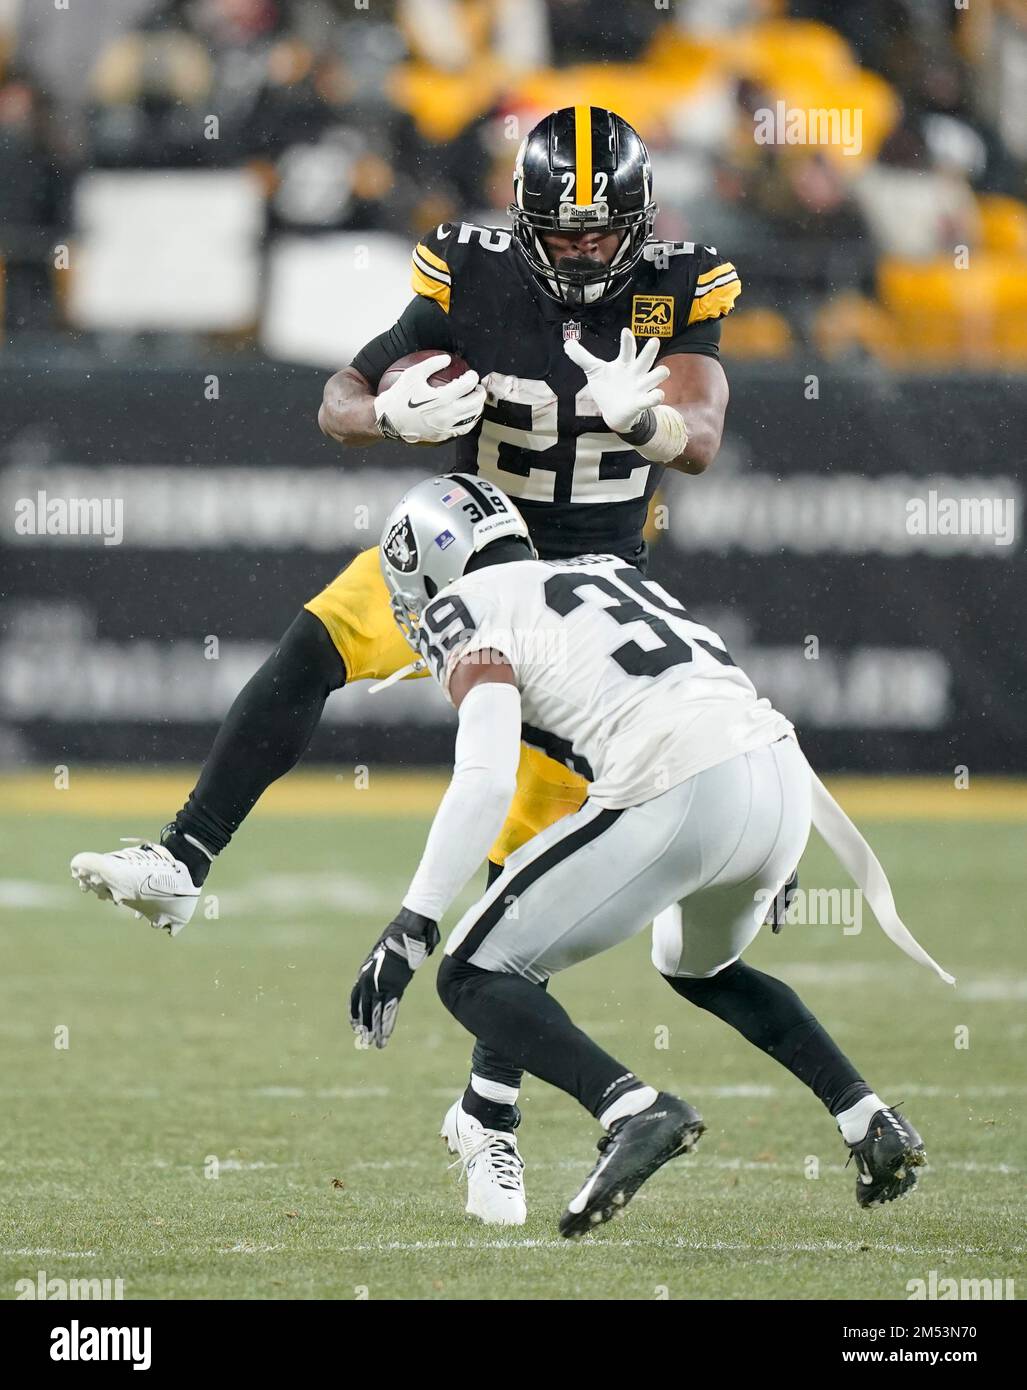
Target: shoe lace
(140,850)
(502,1157)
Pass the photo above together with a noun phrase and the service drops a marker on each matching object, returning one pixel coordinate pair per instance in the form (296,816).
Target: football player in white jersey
(700,795)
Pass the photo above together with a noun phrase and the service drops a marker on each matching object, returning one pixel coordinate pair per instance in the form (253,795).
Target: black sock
(493,1114)
(488,1064)
(264,734)
(493,1066)
(529,1028)
(198,863)
(773,1018)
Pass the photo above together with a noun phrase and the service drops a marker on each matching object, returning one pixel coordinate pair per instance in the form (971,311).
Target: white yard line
(54,1254)
(681,1243)
(729,1164)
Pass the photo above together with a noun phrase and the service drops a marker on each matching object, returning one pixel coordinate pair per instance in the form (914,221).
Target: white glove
(418,413)
(625,387)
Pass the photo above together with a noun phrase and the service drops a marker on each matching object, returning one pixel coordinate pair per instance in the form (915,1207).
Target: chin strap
(414,669)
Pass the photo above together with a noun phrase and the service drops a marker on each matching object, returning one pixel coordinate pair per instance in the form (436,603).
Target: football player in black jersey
(562,319)
(594,351)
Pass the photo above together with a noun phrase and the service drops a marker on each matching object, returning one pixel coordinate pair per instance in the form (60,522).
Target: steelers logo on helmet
(582,169)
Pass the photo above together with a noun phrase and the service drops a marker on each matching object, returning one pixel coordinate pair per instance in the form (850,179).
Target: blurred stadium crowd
(907,245)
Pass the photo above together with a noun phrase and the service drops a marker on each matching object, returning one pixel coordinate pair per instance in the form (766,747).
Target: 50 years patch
(652,315)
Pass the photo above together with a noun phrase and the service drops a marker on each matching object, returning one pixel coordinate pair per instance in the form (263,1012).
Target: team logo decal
(445,540)
(652,315)
(571,331)
(400,547)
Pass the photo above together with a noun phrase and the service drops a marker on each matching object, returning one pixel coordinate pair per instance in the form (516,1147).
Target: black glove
(775,918)
(406,943)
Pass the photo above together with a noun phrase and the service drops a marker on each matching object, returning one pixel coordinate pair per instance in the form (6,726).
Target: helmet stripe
(582,155)
(483,500)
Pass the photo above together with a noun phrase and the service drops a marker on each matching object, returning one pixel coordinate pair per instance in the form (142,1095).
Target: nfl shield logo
(571,330)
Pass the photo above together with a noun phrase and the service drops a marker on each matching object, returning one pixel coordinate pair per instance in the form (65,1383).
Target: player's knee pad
(702,990)
(307,652)
(456,981)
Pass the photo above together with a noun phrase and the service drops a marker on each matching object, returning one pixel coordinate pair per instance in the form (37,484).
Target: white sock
(191,839)
(630,1103)
(855,1121)
(494,1090)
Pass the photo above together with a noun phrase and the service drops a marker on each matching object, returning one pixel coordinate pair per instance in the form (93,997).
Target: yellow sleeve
(715,293)
(430,275)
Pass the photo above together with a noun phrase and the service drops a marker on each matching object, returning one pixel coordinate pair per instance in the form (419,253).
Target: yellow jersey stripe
(731,277)
(419,263)
(716,301)
(583,155)
(431,289)
(431,257)
(708,275)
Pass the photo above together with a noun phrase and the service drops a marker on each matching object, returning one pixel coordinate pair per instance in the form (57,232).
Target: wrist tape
(660,434)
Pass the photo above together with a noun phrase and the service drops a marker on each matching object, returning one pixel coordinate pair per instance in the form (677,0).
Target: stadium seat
(689,60)
(1003,224)
(943,315)
(852,324)
(756,333)
(765,51)
(329,295)
(643,96)
(177,250)
(811,67)
(445,103)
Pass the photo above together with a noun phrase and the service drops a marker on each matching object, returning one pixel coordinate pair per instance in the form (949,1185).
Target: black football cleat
(630,1154)
(887,1159)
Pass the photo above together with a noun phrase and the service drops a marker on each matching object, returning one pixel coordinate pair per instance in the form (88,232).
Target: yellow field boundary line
(156,795)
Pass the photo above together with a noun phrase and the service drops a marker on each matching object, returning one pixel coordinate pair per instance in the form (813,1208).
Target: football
(457,366)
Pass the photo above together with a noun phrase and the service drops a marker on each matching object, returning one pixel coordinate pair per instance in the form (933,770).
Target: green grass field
(232,1042)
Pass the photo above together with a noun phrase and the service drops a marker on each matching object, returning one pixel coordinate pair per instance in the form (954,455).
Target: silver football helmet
(433,532)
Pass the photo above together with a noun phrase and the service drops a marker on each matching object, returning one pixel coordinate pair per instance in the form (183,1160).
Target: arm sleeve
(423,324)
(471,814)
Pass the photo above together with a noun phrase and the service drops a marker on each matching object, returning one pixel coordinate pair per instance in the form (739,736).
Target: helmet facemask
(586,281)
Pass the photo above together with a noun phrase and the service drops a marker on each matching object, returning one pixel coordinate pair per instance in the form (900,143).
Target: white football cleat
(147,878)
(493,1165)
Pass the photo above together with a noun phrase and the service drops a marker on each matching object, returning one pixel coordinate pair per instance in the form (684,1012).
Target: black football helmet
(582,167)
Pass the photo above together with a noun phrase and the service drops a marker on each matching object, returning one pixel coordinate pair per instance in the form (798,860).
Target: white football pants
(722,844)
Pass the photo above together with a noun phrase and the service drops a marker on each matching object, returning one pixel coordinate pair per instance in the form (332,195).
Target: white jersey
(616,680)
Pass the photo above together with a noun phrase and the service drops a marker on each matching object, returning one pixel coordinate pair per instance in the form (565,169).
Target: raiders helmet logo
(401,548)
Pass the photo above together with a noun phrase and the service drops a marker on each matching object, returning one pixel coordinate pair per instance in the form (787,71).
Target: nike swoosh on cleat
(147,883)
(578,1203)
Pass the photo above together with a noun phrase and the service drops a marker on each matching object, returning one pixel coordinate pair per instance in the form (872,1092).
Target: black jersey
(580,487)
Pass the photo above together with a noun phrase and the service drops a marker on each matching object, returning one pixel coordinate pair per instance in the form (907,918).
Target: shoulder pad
(710,281)
(441,254)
